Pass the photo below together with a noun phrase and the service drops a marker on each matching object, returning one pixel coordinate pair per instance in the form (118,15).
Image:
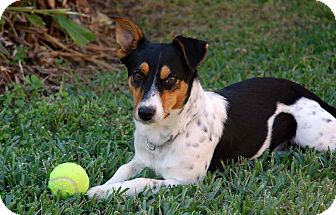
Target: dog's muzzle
(146,113)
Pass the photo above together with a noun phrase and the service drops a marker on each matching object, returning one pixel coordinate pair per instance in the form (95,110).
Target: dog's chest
(188,156)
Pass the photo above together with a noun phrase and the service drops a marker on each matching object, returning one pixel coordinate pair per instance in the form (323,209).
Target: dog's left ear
(128,36)
(194,50)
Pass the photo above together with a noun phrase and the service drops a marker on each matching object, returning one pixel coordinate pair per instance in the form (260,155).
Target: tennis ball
(67,179)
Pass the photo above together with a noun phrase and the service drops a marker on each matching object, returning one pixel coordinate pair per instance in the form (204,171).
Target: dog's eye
(137,76)
(171,80)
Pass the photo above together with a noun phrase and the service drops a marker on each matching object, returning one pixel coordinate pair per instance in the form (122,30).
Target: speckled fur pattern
(316,128)
(194,130)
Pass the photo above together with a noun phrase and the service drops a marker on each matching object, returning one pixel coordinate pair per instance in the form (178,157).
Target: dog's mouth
(151,121)
(158,117)
(166,116)
(148,122)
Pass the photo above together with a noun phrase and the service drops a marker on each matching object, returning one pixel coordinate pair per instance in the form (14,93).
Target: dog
(182,131)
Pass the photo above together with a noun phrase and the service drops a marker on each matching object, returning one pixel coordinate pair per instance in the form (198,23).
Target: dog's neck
(163,132)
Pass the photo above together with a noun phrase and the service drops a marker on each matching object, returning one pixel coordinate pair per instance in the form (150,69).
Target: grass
(91,124)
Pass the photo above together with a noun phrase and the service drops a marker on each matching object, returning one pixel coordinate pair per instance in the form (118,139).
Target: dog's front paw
(98,192)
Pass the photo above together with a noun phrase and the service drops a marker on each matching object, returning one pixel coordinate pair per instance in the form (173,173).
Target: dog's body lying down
(183,131)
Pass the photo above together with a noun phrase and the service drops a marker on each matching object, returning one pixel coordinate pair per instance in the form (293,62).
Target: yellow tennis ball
(67,179)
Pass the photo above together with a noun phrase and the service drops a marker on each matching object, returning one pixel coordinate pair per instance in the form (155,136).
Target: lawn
(91,124)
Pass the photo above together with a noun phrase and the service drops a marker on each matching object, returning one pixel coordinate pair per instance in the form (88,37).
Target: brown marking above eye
(175,98)
(137,92)
(144,67)
(164,73)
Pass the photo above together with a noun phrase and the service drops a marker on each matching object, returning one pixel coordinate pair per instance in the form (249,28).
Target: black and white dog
(183,131)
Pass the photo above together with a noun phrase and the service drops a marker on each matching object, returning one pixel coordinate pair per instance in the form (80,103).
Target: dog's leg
(316,128)
(126,171)
(132,187)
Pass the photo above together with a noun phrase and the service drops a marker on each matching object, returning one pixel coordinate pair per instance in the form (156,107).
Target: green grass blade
(80,35)
(33,10)
(35,20)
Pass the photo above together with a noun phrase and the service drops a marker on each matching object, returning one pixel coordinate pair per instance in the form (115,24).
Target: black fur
(193,50)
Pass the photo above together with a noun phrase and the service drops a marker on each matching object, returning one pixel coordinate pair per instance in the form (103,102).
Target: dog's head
(160,75)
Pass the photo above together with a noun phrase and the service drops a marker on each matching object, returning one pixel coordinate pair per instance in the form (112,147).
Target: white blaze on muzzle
(152,100)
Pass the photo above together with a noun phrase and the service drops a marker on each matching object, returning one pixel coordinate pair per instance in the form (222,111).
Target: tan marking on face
(174,99)
(144,67)
(164,73)
(136,92)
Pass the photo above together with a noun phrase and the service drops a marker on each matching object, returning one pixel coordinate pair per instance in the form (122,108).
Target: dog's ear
(128,36)
(194,50)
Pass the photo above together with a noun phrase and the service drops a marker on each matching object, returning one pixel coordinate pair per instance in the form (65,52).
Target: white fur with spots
(194,130)
(316,128)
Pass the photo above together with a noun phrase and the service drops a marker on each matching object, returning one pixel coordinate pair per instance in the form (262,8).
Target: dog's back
(258,118)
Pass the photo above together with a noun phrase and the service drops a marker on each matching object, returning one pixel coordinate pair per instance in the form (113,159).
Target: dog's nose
(146,113)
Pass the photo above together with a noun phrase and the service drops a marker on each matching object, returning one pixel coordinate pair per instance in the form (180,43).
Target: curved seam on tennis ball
(66,179)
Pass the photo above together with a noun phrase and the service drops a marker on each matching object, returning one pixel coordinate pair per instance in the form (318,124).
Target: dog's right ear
(128,36)
(194,51)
